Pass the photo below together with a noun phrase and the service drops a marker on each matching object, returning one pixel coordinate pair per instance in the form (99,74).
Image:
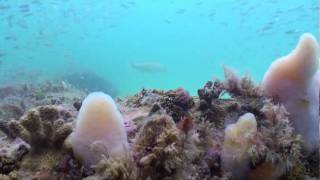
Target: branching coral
(177,103)
(236,86)
(279,148)
(41,128)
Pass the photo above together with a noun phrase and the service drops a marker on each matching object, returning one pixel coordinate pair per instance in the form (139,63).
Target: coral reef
(292,81)
(233,129)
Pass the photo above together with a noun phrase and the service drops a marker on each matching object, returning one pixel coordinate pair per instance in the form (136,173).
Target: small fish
(22,25)
(4,7)
(132,3)
(181,11)
(27,15)
(35,2)
(2,54)
(149,67)
(10,37)
(266,28)
(24,10)
(295,8)
(167,21)
(292,31)
(211,14)
(316,7)
(24,6)
(199,3)
(9,20)
(124,6)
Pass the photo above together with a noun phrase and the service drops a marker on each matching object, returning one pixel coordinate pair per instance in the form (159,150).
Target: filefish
(149,67)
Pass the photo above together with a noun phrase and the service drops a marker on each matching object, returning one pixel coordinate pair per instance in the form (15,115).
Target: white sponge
(99,130)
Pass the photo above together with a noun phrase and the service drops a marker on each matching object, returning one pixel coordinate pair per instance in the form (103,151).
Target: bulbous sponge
(41,128)
(238,136)
(293,81)
(99,130)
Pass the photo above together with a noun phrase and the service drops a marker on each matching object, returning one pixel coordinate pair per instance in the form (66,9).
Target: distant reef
(90,82)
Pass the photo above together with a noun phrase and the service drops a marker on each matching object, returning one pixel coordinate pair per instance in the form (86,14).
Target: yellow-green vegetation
(46,161)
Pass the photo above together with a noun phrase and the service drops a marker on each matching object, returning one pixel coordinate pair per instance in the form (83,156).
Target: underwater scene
(159,89)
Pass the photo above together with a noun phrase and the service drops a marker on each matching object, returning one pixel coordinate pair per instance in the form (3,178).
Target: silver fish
(149,67)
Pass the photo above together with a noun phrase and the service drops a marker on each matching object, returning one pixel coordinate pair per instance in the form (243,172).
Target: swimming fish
(149,67)
(292,31)
(181,11)
(2,54)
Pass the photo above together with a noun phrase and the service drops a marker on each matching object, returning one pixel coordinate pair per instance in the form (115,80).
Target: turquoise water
(191,39)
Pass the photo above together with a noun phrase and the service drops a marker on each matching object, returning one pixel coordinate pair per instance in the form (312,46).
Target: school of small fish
(17,18)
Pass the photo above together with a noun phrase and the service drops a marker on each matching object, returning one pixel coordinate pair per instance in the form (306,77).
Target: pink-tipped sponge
(293,80)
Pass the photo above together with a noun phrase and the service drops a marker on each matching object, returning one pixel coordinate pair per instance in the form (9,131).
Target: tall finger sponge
(292,81)
(99,130)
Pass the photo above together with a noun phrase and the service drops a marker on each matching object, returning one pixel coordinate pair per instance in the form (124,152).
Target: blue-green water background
(193,39)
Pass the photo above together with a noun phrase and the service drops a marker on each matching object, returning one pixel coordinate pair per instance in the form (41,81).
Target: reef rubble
(156,134)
